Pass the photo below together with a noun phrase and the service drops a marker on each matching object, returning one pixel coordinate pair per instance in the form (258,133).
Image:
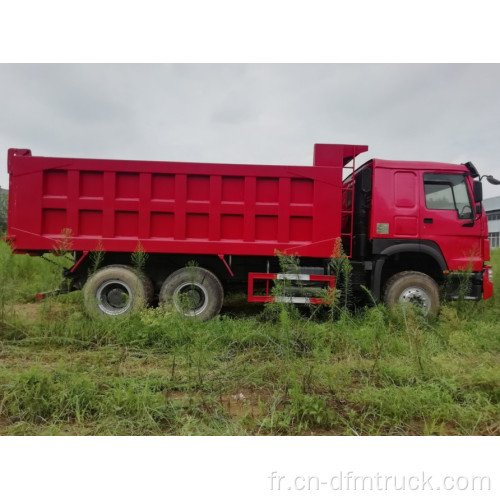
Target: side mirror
(492,180)
(478,192)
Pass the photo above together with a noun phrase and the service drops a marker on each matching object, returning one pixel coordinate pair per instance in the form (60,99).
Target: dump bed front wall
(173,207)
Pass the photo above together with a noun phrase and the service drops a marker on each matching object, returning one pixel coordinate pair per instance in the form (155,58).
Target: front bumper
(488,282)
(470,286)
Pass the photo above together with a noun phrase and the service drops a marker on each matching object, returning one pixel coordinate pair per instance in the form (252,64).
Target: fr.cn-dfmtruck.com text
(349,481)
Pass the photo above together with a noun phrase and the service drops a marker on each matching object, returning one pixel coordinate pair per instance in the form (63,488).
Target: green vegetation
(251,371)
(4,198)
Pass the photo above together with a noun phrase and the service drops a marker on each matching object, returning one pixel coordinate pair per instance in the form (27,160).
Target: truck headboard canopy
(336,155)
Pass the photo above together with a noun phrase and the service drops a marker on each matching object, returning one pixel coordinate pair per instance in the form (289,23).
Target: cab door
(447,217)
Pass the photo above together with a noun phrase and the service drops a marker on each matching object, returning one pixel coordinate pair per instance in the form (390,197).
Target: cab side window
(448,192)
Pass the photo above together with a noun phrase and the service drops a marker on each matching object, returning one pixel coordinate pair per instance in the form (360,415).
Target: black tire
(194,292)
(413,287)
(116,291)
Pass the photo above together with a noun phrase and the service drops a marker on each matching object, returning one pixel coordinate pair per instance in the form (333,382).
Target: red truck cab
(422,217)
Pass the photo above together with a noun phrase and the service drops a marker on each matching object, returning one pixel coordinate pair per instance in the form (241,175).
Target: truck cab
(421,221)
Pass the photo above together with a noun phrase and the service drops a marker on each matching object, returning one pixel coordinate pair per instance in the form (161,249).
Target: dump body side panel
(173,207)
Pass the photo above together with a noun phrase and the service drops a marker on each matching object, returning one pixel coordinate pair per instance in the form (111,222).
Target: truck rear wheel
(194,292)
(415,288)
(116,291)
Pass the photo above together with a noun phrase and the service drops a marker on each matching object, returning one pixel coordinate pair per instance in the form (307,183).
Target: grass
(256,372)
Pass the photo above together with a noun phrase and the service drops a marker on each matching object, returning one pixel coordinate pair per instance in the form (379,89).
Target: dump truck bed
(172,207)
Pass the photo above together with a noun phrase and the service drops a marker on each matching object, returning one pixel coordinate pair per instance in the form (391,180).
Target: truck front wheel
(415,288)
(194,292)
(116,291)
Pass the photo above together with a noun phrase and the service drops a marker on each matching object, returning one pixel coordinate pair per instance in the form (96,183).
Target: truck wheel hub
(416,296)
(113,297)
(190,298)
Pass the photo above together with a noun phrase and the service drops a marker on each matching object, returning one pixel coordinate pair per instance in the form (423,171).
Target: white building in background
(492,207)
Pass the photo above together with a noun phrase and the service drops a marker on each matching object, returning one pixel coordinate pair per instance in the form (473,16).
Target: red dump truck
(413,231)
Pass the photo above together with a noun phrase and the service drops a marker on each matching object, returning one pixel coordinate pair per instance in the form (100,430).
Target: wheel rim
(417,296)
(114,297)
(190,299)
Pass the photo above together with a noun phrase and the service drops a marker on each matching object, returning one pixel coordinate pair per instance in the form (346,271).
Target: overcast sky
(252,113)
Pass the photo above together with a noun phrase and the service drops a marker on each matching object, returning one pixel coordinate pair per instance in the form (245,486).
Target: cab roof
(418,165)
